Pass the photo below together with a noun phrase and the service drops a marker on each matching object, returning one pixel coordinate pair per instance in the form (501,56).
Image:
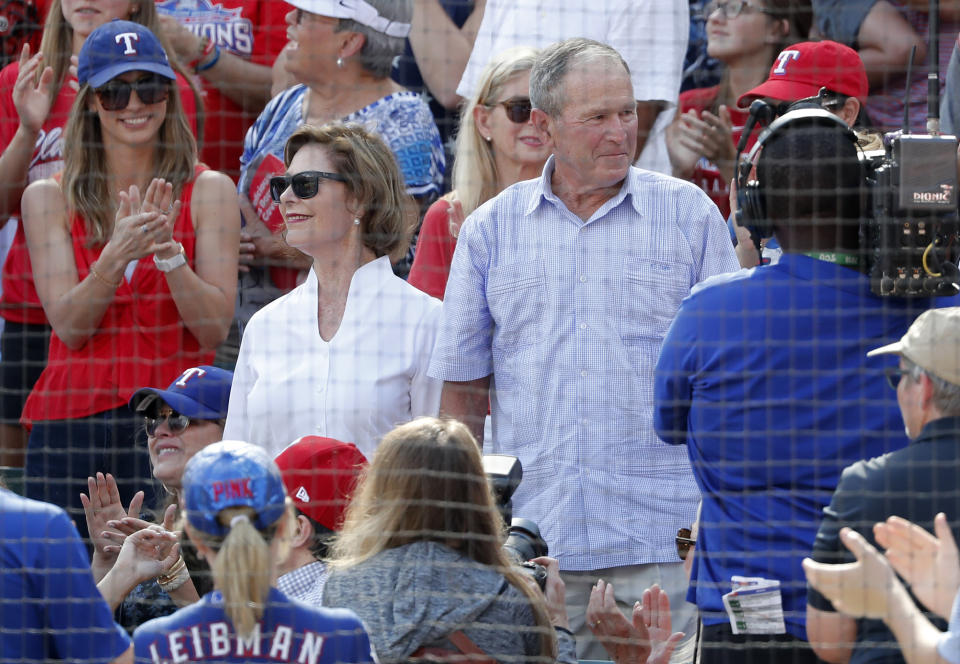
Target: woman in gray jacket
(419,557)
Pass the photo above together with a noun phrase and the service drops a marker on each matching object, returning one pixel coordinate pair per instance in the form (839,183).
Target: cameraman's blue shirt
(764,375)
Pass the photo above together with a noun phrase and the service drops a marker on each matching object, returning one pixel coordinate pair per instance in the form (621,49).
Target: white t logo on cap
(128,39)
(302,495)
(784,58)
(188,374)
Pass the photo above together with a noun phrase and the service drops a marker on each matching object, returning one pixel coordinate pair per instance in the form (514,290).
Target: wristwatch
(172,263)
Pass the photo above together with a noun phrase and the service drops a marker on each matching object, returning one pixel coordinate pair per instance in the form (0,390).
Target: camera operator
(763,376)
(419,559)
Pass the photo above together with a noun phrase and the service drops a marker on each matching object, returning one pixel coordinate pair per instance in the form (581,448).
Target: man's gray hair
(555,62)
(380,49)
(946,396)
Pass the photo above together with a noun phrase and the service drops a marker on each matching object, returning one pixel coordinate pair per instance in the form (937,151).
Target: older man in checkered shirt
(560,293)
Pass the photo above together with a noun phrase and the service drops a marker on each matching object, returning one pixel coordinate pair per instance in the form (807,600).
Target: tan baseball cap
(932,343)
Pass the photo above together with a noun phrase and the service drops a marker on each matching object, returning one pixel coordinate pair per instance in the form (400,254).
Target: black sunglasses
(894,374)
(176,422)
(115,95)
(684,543)
(305,185)
(518,110)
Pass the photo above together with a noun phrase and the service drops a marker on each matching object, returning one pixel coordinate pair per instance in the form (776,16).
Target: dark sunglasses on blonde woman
(518,110)
(151,89)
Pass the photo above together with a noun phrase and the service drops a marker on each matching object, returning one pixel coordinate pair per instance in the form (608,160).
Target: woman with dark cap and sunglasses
(241,521)
(134,256)
(497,146)
(149,582)
(345,354)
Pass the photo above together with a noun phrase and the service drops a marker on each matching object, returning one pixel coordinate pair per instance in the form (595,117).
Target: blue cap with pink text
(232,474)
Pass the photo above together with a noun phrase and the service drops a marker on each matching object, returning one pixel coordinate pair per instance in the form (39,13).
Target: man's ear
(543,123)
(926,391)
(303,534)
(849,111)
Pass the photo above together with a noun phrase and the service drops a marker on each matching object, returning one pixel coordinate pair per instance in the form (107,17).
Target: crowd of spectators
(251,198)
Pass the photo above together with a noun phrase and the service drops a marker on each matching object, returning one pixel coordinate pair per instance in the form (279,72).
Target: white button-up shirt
(356,387)
(569,316)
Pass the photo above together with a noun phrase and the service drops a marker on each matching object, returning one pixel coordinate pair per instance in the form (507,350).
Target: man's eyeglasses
(732,8)
(176,422)
(684,543)
(115,95)
(305,185)
(894,374)
(518,110)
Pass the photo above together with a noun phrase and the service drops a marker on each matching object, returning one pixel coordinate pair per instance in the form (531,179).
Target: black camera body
(524,541)
(912,231)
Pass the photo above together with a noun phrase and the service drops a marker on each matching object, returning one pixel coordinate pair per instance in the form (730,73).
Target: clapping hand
(929,563)
(646,639)
(102,507)
(144,227)
(861,589)
(148,553)
(656,616)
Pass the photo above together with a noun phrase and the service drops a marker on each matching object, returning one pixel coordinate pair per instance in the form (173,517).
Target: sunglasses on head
(684,543)
(151,89)
(305,185)
(518,110)
(176,422)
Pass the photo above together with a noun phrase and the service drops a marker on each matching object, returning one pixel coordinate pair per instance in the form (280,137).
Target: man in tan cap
(915,482)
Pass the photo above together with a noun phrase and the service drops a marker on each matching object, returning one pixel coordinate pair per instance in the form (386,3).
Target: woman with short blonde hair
(345,354)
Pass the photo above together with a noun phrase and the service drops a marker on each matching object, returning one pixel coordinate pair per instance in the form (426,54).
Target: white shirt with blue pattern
(568,316)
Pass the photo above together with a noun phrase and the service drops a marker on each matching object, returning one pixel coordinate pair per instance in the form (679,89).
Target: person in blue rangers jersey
(49,605)
(238,515)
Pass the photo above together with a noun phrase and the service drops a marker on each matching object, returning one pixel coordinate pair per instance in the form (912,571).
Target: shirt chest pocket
(516,297)
(651,294)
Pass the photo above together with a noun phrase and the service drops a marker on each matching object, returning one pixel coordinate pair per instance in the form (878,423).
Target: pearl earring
(488,138)
(356,222)
(340,63)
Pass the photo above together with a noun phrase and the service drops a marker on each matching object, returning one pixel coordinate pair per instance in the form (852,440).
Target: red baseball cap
(320,475)
(799,71)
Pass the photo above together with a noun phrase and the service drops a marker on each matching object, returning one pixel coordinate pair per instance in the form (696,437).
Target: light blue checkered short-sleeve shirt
(569,316)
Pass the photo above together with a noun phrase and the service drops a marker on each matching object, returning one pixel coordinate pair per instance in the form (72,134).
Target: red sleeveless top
(141,340)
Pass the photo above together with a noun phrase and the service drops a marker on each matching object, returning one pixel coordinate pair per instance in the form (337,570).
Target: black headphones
(751,197)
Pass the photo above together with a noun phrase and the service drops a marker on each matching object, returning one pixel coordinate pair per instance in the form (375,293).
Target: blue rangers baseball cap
(200,392)
(232,474)
(117,47)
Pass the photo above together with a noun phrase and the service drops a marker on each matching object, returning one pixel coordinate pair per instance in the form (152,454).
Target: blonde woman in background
(497,146)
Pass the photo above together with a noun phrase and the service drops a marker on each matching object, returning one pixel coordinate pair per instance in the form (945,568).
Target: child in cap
(238,515)
(320,475)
